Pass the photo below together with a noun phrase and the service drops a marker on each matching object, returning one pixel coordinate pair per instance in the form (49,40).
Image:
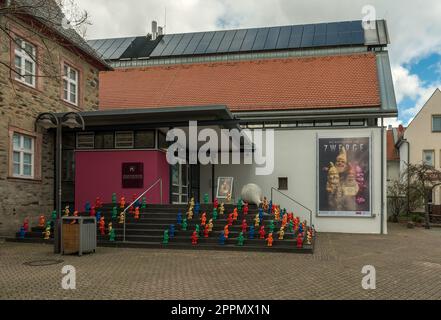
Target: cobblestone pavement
(408,265)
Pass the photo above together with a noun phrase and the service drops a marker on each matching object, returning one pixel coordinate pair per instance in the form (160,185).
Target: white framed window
(124,140)
(85,140)
(70,84)
(25,62)
(429,157)
(23,155)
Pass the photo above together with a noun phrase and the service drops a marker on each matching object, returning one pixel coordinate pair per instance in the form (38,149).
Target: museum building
(324,89)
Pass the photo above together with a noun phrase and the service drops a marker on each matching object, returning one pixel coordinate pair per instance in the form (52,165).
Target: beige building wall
(421,137)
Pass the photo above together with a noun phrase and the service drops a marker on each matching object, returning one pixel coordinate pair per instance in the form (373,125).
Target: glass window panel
(27,170)
(436,123)
(18,62)
(124,139)
(27,143)
(104,140)
(27,159)
(16,169)
(73,97)
(66,70)
(29,67)
(29,79)
(73,75)
(145,139)
(428,157)
(85,140)
(17,144)
(16,157)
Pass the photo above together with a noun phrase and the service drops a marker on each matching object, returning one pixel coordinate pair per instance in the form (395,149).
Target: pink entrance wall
(99,174)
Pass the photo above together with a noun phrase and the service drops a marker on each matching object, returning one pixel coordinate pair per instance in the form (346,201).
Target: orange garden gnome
(42,222)
(270,240)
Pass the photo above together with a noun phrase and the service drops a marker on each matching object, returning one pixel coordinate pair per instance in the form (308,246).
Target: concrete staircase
(148,231)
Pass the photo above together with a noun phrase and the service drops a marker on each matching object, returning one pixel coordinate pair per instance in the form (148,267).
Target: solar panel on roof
(102,50)
(236,44)
(191,48)
(162,45)
(182,44)
(271,40)
(332,39)
(357,37)
(172,44)
(283,41)
(295,40)
(123,47)
(215,42)
(226,41)
(259,44)
(320,35)
(109,52)
(248,42)
(345,38)
(205,42)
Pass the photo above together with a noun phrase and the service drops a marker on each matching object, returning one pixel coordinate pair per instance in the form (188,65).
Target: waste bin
(78,235)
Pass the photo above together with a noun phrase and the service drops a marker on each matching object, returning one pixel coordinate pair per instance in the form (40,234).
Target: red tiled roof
(343,81)
(392,152)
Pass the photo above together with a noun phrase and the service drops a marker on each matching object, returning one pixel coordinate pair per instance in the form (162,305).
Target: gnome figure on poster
(334,189)
(350,189)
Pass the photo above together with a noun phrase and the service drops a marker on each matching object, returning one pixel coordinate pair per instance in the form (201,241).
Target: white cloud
(394,122)
(406,85)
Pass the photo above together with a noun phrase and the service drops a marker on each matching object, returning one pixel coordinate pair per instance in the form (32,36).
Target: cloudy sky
(414,27)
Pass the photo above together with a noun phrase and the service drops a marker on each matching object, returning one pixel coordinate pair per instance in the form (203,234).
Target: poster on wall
(133,175)
(344,177)
(224,187)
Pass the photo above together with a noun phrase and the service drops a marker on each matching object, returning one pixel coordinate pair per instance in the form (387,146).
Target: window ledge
(30,180)
(71,105)
(29,87)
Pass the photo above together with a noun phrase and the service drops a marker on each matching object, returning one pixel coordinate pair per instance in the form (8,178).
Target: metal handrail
(142,195)
(293,200)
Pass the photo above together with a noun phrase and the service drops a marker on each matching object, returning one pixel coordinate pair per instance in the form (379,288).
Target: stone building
(43,68)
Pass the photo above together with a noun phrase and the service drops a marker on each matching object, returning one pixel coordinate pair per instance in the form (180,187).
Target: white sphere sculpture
(252,194)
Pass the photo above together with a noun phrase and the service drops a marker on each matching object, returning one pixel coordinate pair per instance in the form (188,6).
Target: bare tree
(50,21)
(421,179)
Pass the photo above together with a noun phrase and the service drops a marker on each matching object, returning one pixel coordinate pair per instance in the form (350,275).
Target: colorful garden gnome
(281,234)
(179,219)
(216,203)
(206,198)
(114,213)
(210,225)
(122,218)
(137,213)
(112,235)
(54,216)
(194,238)
(87,207)
(184,225)
(215,214)
(270,240)
(114,199)
(42,222)
(198,230)
(230,219)
(98,203)
(246,209)
(204,219)
(166,237)
(92,212)
(110,227)
(261,215)
(265,205)
(240,240)
(277,214)
(244,226)
(197,209)
(192,203)
(251,232)
(226,232)
(271,226)
(235,214)
(75,214)
(98,216)
(22,233)
(291,227)
(222,239)
(270,207)
(228,198)
(144,203)
(26,225)
(190,215)
(300,241)
(239,205)
(172,231)
(284,220)
(102,226)
(122,203)
(47,233)
(206,231)
(221,209)
(257,221)
(262,232)
(66,211)
(132,210)
(301,229)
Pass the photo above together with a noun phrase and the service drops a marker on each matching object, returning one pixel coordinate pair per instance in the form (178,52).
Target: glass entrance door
(179,184)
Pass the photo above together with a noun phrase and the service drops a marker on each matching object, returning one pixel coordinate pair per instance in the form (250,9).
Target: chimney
(160,31)
(154,30)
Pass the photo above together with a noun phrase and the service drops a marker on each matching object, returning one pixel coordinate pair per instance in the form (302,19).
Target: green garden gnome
(291,227)
(240,240)
(54,216)
(271,227)
(198,230)
(144,203)
(206,198)
(112,235)
(184,225)
(166,237)
(215,214)
(114,213)
(114,200)
(240,205)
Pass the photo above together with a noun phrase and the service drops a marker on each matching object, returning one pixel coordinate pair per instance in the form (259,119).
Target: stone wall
(19,107)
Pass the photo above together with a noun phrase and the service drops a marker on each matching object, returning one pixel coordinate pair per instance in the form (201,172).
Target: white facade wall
(297,158)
